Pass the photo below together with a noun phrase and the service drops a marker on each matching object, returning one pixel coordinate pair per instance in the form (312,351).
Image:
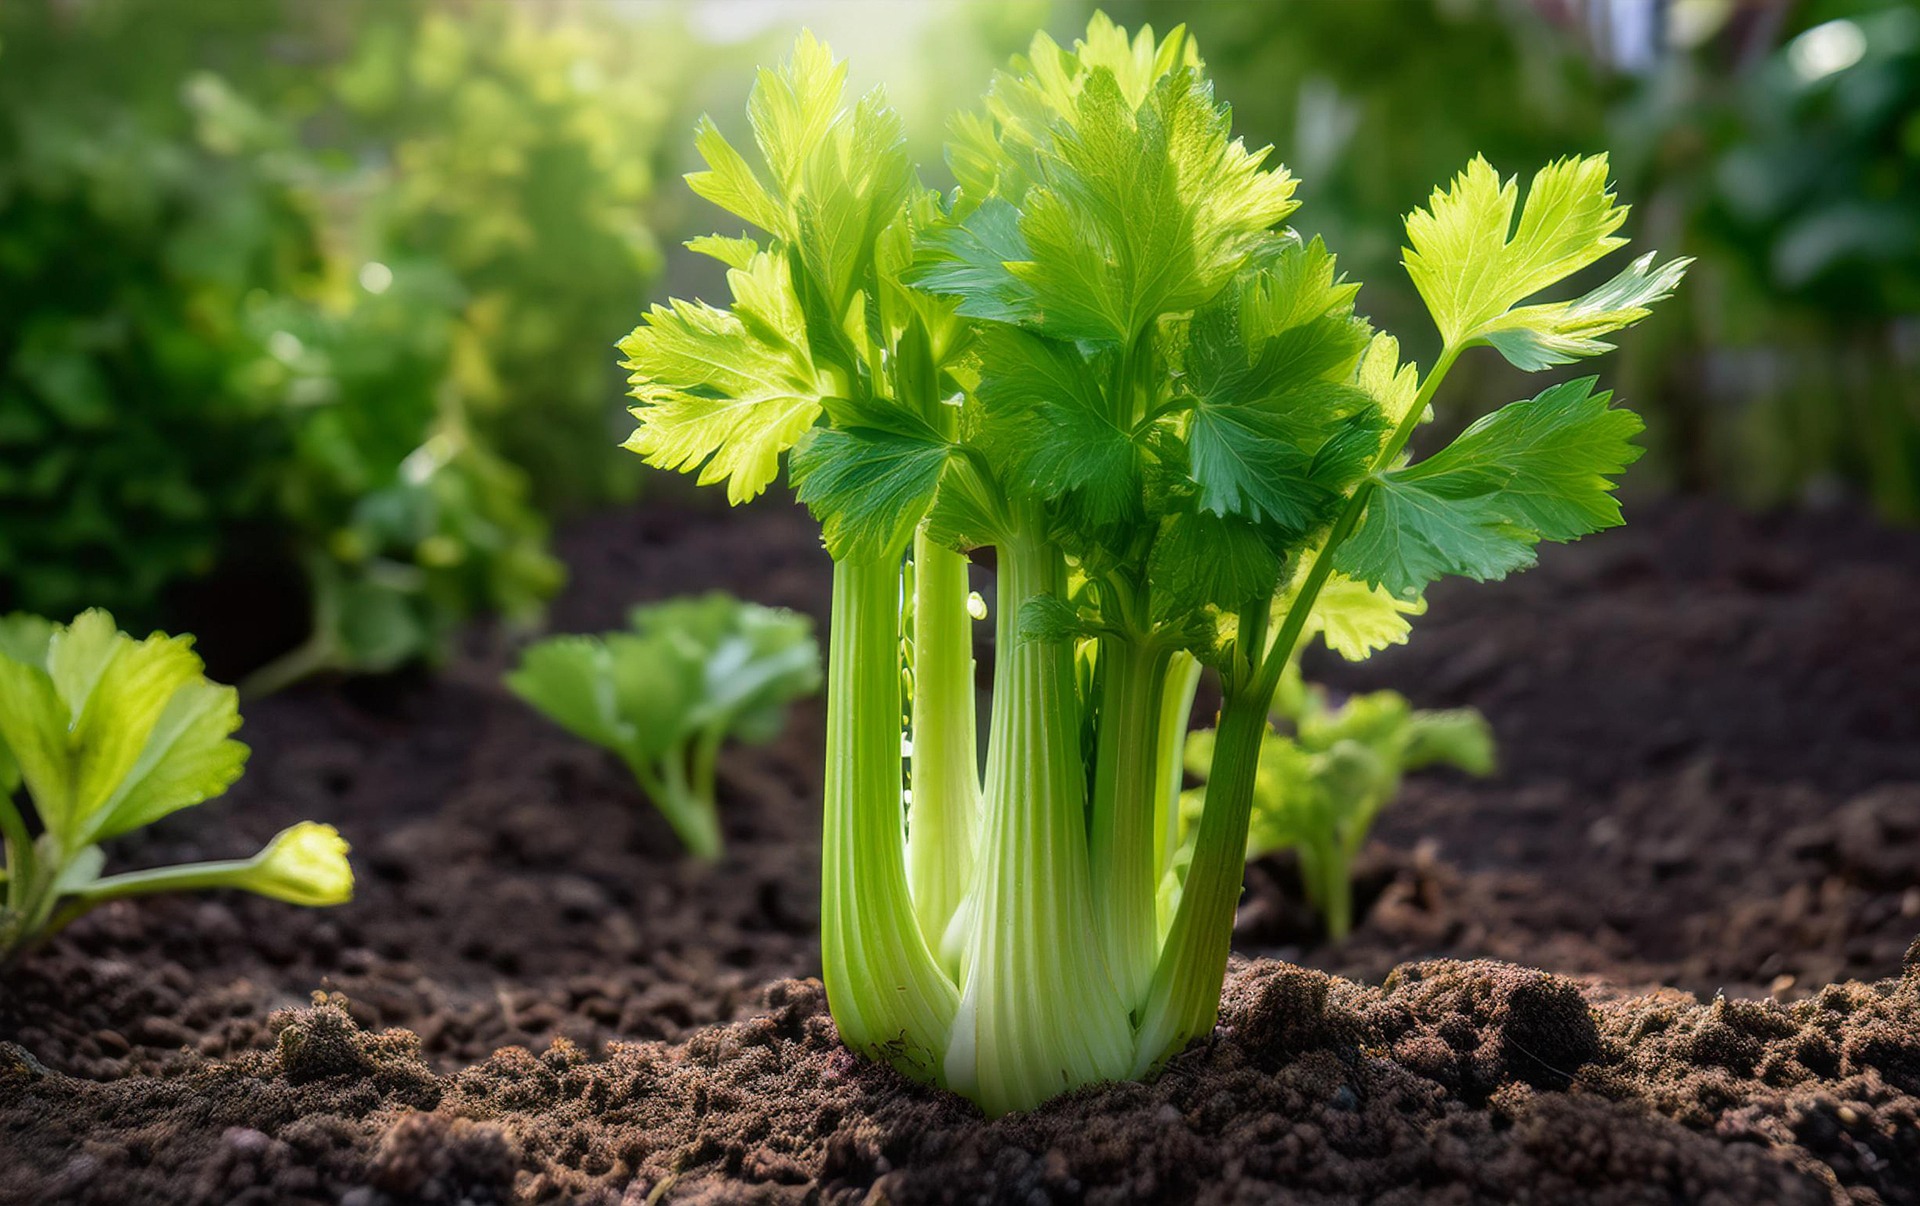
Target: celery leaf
(1534,470)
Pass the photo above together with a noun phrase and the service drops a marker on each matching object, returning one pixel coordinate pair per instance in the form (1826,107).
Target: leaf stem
(1280,652)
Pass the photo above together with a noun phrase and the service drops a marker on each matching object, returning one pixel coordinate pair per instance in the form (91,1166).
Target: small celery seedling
(1318,788)
(109,734)
(1106,359)
(691,674)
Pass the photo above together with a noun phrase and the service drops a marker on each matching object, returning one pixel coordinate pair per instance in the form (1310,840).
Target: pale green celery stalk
(1184,1001)
(1038,1011)
(1126,784)
(1182,684)
(943,818)
(888,994)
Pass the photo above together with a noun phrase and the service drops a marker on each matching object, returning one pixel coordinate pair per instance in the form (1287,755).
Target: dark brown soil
(1710,732)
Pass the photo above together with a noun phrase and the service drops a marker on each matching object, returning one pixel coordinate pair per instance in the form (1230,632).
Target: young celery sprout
(690,674)
(109,734)
(1105,359)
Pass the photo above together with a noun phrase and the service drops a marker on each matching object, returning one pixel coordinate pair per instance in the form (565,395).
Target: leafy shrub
(272,297)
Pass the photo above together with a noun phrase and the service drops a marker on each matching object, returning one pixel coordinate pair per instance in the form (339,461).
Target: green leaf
(1412,536)
(1458,737)
(1538,337)
(1048,618)
(657,681)
(869,486)
(113,733)
(1133,200)
(569,679)
(187,759)
(1047,424)
(1270,367)
(968,260)
(700,664)
(1552,459)
(1472,263)
(1202,559)
(731,183)
(724,393)
(1533,470)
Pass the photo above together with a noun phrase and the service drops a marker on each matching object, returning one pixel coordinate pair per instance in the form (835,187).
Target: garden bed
(1711,782)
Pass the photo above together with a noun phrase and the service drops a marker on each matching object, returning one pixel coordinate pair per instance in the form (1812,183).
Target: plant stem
(942,821)
(888,994)
(1038,1011)
(696,822)
(1126,786)
(1176,711)
(1185,995)
(1280,652)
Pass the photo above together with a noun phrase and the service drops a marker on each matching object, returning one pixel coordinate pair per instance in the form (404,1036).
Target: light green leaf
(792,108)
(1472,263)
(1357,620)
(1458,737)
(724,393)
(116,689)
(1394,387)
(734,253)
(1132,198)
(33,727)
(188,758)
(569,679)
(1538,337)
(731,183)
(869,486)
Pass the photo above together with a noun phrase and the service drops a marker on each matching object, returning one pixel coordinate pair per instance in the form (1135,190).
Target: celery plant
(1103,358)
(109,734)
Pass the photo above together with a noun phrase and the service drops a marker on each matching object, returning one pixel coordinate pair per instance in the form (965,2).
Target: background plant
(109,734)
(691,675)
(1320,784)
(292,295)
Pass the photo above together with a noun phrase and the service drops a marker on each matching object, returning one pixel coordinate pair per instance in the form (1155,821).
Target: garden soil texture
(1663,956)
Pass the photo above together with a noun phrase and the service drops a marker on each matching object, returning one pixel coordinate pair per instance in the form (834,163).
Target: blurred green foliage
(519,154)
(325,285)
(1779,143)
